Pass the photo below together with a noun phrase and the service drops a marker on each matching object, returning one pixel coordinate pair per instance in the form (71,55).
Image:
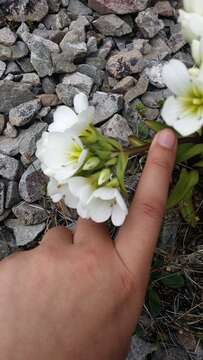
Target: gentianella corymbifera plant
(87,169)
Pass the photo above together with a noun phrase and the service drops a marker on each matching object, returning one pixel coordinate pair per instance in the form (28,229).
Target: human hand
(79,296)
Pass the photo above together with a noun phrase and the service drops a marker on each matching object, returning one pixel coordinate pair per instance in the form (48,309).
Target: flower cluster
(85,168)
(184,110)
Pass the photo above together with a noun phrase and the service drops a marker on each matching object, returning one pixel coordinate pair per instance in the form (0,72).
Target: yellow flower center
(75,152)
(193,102)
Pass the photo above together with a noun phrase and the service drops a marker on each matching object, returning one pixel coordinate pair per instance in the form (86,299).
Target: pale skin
(79,296)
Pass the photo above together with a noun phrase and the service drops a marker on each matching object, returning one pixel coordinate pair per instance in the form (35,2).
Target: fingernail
(166,138)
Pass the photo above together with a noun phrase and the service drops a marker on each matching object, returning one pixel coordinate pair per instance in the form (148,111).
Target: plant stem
(143,149)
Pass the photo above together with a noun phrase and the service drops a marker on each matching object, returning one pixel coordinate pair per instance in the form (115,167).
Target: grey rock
(48,85)
(24,113)
(112,25)
(25,10)
(5,53)
(92,45)
(25,65)
(148,23)
(155,99)
(66,93)
(57,21)
(106,48)
(139,89)
(63,62)
(117,7)
(54,5)
(140,349)
(7,37)
(5,215)
(30,214)
(2,197)
(32,185)
(176,41)
(96,61)
(80,81)
(9,167)
(12,68)
(19,50)
(65,3)
(76,7)
(90,70)
(106,105)
(164,8)
(74,52)
(171,354)
(117,127)
(10,131)
(33,41)
(185,57)
(25,143)
(2,123)
(12,94)
(155,76)
(160,49)
(31,78)
(12,194)
(49,99)
(2,68)
(41,59)
(43,112)
(124,85)
(24,234)
(7,241)
(125,63)
(81,24)
(73,37)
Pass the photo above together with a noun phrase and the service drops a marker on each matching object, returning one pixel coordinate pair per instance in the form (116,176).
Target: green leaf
(154,302)
(120,170)
(187,180)
(155,125)
(135,141)
(174,281)
(188,151)
(187,210)
(199,164)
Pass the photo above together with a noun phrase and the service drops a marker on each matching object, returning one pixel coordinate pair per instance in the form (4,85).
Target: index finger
(137,239)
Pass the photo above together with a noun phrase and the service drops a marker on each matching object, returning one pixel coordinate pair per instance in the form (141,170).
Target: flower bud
(104,176)
(91,163)
(114,183)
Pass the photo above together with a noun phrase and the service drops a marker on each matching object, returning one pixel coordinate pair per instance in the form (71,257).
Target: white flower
(184,110)
(60,150)
(107,203)
(66,119)
(192,25)
(58,192)
(61,154)
(197,51)
(193,6)
(98,204)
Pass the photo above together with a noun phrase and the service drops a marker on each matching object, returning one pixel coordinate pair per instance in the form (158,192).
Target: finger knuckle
(161,163)
(151,209)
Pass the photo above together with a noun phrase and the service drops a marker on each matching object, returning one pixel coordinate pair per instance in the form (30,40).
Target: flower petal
(192,25)
(187,126)
(51,150)
(85,118)
(171,110)
(80,103)
(64,118)
(176,77)
(105,193)
(118,215)
(99,210)
(195,47)
(195,6)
